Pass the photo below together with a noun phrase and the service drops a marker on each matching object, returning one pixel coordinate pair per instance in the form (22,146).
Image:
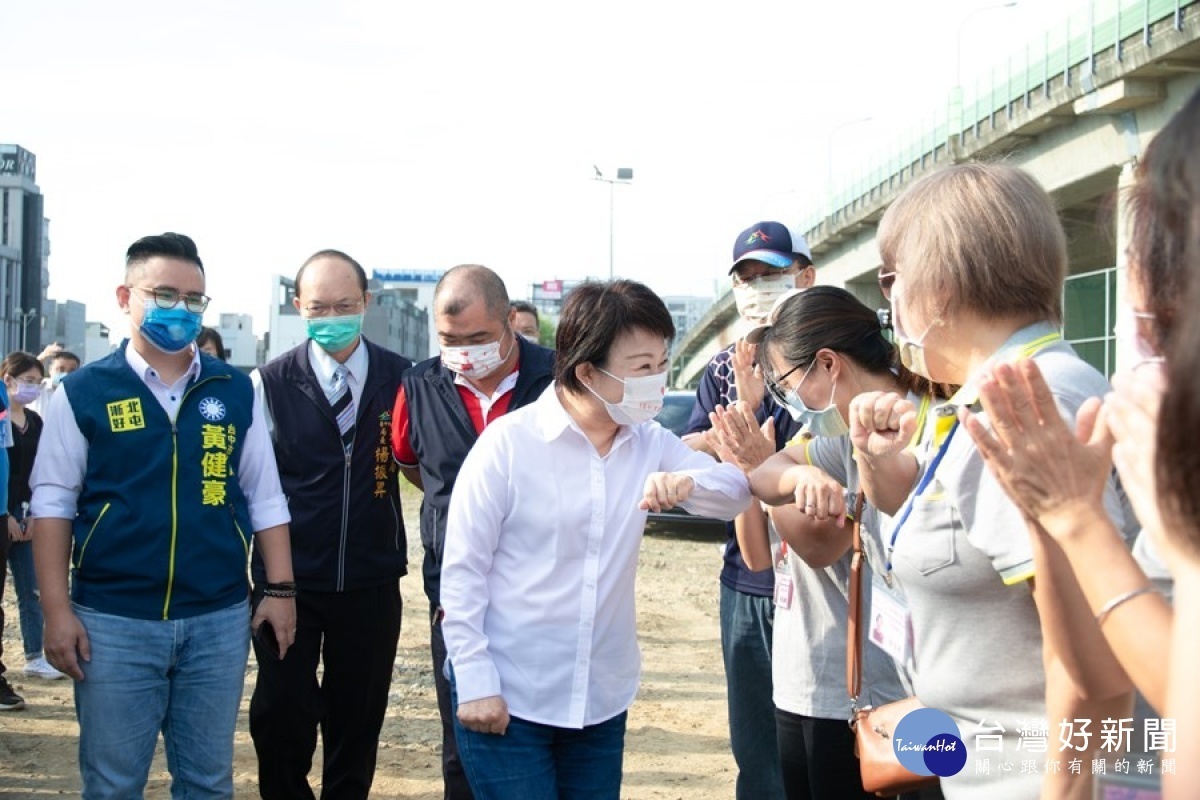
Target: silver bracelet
(1119,600)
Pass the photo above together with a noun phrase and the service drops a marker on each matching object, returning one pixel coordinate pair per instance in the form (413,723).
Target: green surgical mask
(334,333)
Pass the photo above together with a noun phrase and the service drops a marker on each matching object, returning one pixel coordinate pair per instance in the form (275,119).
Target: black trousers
(454,778)
(818,761)
(354,634)
(817,758)
(4,543)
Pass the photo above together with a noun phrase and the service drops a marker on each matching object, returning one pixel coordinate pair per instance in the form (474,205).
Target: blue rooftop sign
(408,275)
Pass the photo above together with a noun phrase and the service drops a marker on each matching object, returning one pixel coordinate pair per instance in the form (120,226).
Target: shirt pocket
(927,540)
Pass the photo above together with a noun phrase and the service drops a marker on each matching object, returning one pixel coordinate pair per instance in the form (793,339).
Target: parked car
(676,411)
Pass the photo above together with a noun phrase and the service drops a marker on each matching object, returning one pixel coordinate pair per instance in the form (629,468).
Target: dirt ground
(676,745)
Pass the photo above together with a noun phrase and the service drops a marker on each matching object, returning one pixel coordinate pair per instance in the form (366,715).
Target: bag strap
(853,628)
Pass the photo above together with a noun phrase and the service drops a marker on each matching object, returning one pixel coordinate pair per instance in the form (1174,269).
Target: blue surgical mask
(827,421)
(169,329)
(334,333)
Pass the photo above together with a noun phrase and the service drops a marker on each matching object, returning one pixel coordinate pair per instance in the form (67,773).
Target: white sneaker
(40,668)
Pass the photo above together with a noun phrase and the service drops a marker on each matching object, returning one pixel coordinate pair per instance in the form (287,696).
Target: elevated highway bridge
(1076,116)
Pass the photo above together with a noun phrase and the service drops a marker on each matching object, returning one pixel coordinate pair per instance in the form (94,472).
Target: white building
(686,311)
(241,346)
(96,342)
(286,329)
(416,286)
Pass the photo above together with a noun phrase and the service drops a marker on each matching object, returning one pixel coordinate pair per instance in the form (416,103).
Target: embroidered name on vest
(217,443)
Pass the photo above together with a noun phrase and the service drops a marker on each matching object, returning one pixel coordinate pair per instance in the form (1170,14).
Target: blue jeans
(532,761)
(747,622)
(183,677)
(20,564)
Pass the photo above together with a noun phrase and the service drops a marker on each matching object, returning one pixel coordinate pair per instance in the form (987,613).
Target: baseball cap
(772,243)
(755,335)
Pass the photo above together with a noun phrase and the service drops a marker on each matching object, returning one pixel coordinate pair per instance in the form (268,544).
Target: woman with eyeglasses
(822,348)
(974,259)
(23,374)
(1056,475)
(542,544)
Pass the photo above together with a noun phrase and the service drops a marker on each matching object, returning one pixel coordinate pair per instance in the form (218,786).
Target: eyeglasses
(886,281)
(343,309)
(165,297)
(775,385)
(770,273)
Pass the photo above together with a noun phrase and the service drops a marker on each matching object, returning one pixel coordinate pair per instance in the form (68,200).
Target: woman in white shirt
(541,550)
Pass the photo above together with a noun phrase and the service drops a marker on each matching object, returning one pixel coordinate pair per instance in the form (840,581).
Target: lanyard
(1026,351)
(926,479)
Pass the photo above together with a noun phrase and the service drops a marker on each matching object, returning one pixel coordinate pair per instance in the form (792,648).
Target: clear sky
(428,134)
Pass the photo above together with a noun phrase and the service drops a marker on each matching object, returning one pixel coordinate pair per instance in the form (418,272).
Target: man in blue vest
(769,260)
(153,472)
(329,410)
(484,371)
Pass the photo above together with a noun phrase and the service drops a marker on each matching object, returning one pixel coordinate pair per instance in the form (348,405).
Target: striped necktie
(343,405)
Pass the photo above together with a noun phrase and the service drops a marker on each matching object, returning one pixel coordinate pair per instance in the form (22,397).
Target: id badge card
(785,589)
(890,625)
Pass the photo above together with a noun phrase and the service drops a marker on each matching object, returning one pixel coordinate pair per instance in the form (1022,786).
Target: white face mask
(641,398)
(756,298)
(476,361)
(912,351)
(1132,347)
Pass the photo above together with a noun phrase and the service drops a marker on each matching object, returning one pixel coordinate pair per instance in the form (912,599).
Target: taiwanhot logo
(928,742)
(757,236)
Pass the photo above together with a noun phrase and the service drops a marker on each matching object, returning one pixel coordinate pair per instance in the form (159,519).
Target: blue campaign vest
(441,434)
(162,529)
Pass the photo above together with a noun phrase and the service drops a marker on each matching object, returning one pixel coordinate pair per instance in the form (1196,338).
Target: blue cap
(771,243)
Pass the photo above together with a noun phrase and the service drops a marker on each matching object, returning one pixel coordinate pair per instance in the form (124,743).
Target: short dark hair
(18,362)
(525,307)
(168,245)
(65,355)
(208,335)
(359,272)
(482,282)
(594,315)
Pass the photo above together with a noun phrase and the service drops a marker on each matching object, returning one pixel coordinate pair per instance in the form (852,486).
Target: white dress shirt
(324,365)
(541,550)
(61,463)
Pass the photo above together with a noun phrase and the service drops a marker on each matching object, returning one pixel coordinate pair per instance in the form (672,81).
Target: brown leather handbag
(882,773)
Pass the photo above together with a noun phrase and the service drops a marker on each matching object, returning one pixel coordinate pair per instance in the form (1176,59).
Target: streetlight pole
(829,200)
(25,317)
(956,95)
(624,175)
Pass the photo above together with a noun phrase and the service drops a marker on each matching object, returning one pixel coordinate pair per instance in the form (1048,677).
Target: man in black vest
(485,370)
(329,408)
